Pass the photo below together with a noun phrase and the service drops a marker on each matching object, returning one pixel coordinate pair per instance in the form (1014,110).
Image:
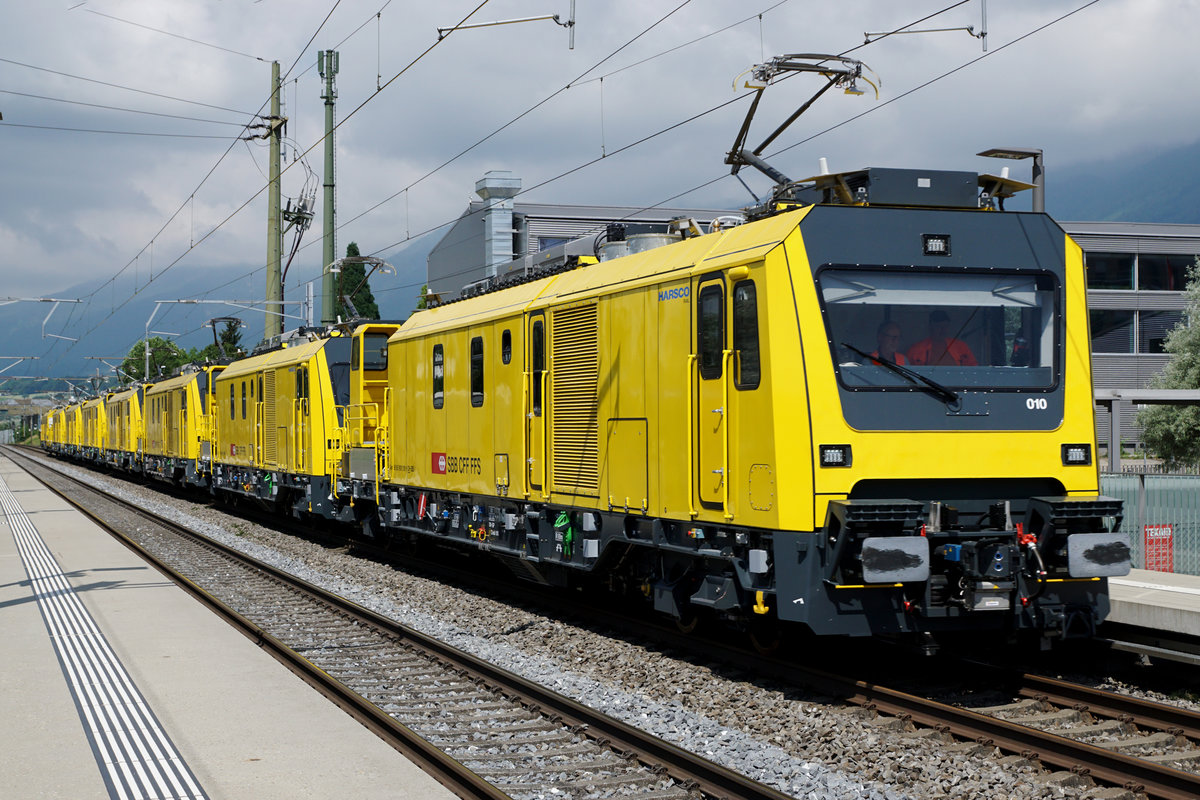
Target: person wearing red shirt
(888,339)
(941,349)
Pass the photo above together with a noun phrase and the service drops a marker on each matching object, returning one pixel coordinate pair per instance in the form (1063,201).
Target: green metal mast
(273,325)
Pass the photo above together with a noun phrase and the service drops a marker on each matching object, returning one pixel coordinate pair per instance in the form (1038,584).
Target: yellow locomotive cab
(178,416)
(125,429)
(294,425)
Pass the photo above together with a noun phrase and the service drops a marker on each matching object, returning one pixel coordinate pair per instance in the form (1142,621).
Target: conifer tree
(352,283)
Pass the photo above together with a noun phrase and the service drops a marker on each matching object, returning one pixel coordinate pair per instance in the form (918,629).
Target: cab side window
(477,371)
(439,376)
(710,333)
(745,335)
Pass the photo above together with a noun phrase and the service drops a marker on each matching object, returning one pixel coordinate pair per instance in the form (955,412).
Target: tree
(423,301)
(165,358)
(352,282)
(1173,432)
(231,342)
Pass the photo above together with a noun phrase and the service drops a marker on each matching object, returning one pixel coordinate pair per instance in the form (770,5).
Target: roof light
(936,244)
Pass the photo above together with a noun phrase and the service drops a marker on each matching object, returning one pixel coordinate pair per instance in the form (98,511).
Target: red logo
(439,463)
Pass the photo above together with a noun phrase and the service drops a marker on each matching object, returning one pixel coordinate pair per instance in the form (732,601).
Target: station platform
(1160,601)
(118,684)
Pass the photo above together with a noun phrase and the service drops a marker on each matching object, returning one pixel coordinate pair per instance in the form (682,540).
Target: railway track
(483,732)
(1111,738)
(1064,726)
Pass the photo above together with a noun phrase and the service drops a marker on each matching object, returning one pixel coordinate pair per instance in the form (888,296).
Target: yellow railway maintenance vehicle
(125,429)
(295,422)
(178,417)
(710,422)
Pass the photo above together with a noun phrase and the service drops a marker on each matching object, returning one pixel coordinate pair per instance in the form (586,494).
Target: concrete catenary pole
(274,296)
(327,65)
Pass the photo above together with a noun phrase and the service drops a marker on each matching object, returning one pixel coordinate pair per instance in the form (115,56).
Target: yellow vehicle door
(300,421)
(183,442)
(710,394)
(535,403)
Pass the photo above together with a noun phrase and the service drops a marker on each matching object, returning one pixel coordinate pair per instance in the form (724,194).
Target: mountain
(1159,188)
(108,331)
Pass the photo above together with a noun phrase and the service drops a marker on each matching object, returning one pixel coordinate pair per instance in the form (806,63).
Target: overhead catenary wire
(517,118)
(122,88)
(173,35)
(104,107)
(114,133)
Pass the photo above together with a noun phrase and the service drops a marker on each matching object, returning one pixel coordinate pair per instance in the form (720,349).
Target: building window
(1163,273)
(546,242)
(745,334)
(1132,331)
(477,371)
(1153,327)
(439,374)
(1109,270)
(1112,331)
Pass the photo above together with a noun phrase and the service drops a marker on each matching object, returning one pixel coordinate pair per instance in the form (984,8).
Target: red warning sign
(1160,548)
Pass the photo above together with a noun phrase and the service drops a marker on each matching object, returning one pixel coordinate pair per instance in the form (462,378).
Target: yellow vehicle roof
(285,356)
(700,254)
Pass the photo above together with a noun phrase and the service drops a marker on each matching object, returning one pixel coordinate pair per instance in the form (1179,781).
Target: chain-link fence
(1152,503)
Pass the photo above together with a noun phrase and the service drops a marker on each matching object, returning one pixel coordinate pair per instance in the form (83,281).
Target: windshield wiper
(938,389)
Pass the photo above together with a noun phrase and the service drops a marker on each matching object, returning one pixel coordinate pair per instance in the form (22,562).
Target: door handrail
(692,431)
(726,358)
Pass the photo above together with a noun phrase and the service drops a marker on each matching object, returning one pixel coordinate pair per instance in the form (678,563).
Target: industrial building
(1137,273)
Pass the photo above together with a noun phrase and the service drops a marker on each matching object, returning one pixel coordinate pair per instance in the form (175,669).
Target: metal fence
(1153,502)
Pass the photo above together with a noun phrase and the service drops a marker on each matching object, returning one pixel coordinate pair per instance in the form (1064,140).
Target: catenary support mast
(327,65)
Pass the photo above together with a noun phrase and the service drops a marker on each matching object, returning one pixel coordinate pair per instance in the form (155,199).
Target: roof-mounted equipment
(839,71)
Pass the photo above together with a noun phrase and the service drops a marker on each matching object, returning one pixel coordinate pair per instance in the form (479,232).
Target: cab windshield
(967,330)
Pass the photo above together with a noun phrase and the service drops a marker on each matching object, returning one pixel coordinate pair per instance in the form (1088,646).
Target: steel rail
(689,770)
(1140,712)
(1156,781)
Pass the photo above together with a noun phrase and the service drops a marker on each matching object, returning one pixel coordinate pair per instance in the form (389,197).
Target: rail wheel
(765,635)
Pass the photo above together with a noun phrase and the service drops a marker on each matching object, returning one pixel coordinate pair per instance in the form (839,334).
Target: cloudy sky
(122,160)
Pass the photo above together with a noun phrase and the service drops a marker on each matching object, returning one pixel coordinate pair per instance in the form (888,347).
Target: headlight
(1076,455)
(836,455)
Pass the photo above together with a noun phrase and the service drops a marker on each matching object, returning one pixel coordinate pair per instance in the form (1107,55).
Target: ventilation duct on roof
(497,188)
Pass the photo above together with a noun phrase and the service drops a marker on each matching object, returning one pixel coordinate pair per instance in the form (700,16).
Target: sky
(125,171)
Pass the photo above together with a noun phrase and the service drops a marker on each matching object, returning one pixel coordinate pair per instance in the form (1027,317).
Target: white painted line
(137,759)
